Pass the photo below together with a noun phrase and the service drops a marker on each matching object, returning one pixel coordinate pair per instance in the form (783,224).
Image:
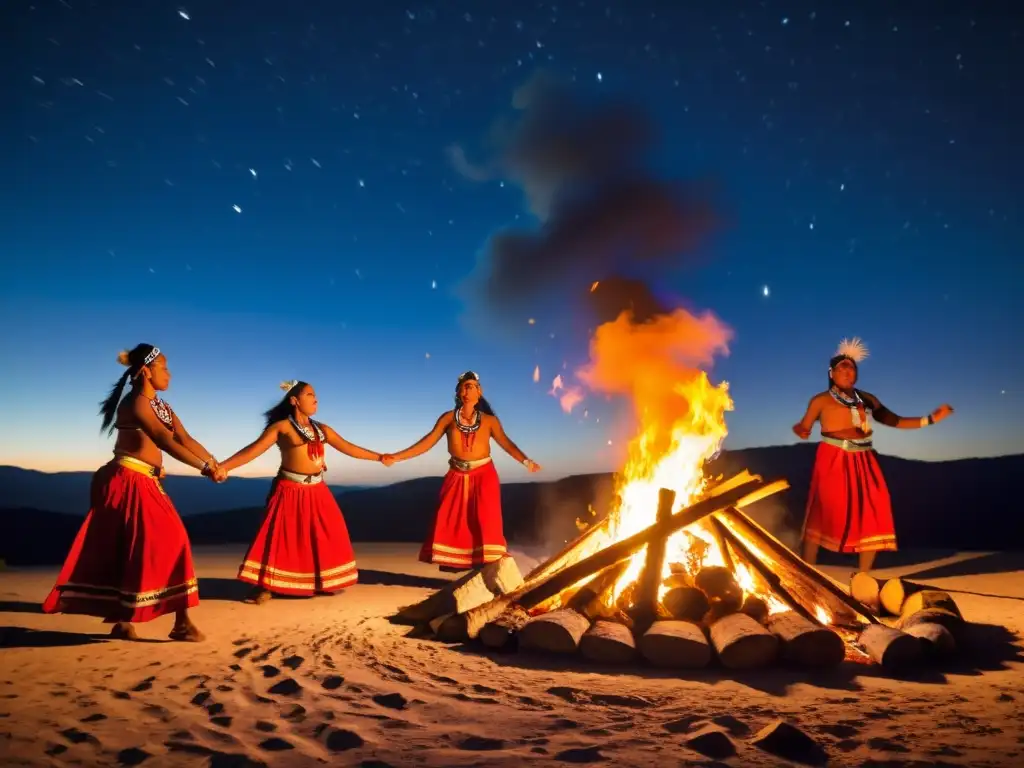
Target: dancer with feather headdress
(848,508)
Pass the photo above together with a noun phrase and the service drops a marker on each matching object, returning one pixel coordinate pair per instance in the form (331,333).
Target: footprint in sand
(201,698)
(93,718)
(341,740)
(265,726)
(332,683)
(132,756)
(480,744)
(76,736)
(293,662)
(270,671)
(286,687)
(581,755)
(145,685)
(224,721)
(276,744)
(391,700)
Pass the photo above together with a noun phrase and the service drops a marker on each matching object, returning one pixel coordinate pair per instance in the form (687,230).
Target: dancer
(302,547)
(467,529)
(848,509)
(131,560)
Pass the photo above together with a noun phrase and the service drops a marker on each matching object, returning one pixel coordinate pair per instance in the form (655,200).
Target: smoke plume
(585,169)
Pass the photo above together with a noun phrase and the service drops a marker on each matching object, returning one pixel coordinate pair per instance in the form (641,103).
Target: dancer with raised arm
(467,529)
(131,560)
(848,508)
(302,548)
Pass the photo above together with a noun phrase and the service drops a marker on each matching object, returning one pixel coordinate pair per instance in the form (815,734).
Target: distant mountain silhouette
(967,504)
(68,492)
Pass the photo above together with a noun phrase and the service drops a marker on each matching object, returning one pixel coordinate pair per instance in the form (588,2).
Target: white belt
(466,466)
(853,446)
(295,477)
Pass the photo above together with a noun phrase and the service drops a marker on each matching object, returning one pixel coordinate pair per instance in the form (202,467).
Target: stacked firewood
(921,623)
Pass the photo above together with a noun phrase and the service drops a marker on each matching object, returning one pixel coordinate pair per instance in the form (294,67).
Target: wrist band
(927,421)
(527,462)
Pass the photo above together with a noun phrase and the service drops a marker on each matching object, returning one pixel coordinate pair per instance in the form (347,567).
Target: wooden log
(951,621)
(742,643)
(676,645)
(649,581)
(735,517)
(462,594)
(936,640)
(686,603)
(532,594)
(501,633)
(608,642)
(755,608)
(717,610)
(720,586)
(890,647)
(569,553)
(866,588)
(591,599)
(677,579)
(929,598)
(895,591)
(437,622)
(805,643)
(767,574)
(558,631)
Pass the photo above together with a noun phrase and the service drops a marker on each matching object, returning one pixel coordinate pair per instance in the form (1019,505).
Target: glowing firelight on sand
(680,419)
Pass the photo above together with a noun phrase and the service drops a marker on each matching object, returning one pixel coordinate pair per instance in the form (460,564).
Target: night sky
(267,191)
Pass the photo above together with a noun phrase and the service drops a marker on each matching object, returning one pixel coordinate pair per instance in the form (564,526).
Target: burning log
(469,591)
(735,517)
(890,647)
(530,595)
(676,645)
(806,643)
(866,588)
(755,608)
(742,643)
(561,630)
(608,642)
(935,639)
(501,633)
(895,591)
(558,631)
(686,603)
(646,597)
(568,553)
(720,586)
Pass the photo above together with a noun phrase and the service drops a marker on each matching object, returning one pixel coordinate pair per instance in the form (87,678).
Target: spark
(842,187)
(38,79)
(433,285)
(315,162)
(600,77)
(536,373)
(428,356)
(593,286)
(531,321)
(362,183)
(765,292)
(253,172)
(237,208)
(184,14)
(556,384)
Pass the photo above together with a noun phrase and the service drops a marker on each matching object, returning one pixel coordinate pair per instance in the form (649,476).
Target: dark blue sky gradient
(869,161)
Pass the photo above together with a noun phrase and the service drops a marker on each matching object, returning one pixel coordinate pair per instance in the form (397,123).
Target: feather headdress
(287,385)
(854,348)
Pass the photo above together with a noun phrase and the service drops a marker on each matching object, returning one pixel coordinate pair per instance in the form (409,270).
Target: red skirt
(131,559)
(302,547)
(467,529)
(848,509)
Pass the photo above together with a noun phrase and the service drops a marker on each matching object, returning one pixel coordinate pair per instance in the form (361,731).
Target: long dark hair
(283,409)
(482,405)
(133,362)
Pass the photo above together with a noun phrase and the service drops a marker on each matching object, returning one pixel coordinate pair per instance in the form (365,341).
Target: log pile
(760,605)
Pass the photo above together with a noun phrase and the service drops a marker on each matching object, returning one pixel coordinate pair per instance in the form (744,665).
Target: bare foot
(187,632)
(123,630)
(258,597)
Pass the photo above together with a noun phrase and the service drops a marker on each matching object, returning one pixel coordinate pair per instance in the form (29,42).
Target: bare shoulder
(820,399)
(324,426)
(869,398)
(445,419)
(280,427)
(490,420)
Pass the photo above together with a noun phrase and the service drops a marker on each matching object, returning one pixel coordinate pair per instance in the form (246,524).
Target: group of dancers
(131,560)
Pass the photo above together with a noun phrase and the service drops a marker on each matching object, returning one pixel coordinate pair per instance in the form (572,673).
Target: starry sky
(270,194)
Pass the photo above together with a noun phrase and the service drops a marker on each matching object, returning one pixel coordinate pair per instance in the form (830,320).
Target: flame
(536,373)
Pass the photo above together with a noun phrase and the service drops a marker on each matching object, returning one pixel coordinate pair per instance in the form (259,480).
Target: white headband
(153,355)
(287,385)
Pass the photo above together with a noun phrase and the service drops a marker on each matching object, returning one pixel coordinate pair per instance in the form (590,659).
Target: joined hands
(214,472)
(387,459)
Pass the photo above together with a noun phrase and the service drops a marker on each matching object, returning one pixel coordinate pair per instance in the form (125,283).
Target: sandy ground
(329,680)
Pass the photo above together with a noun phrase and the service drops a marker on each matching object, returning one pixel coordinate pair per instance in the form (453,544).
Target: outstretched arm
(340,444)
(884,416)
(428,441)
(254,449)
(157,431)
(802,429)
(185,440)
(498,432)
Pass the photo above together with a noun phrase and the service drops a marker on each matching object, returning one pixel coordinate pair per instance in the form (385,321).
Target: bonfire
(677,573)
